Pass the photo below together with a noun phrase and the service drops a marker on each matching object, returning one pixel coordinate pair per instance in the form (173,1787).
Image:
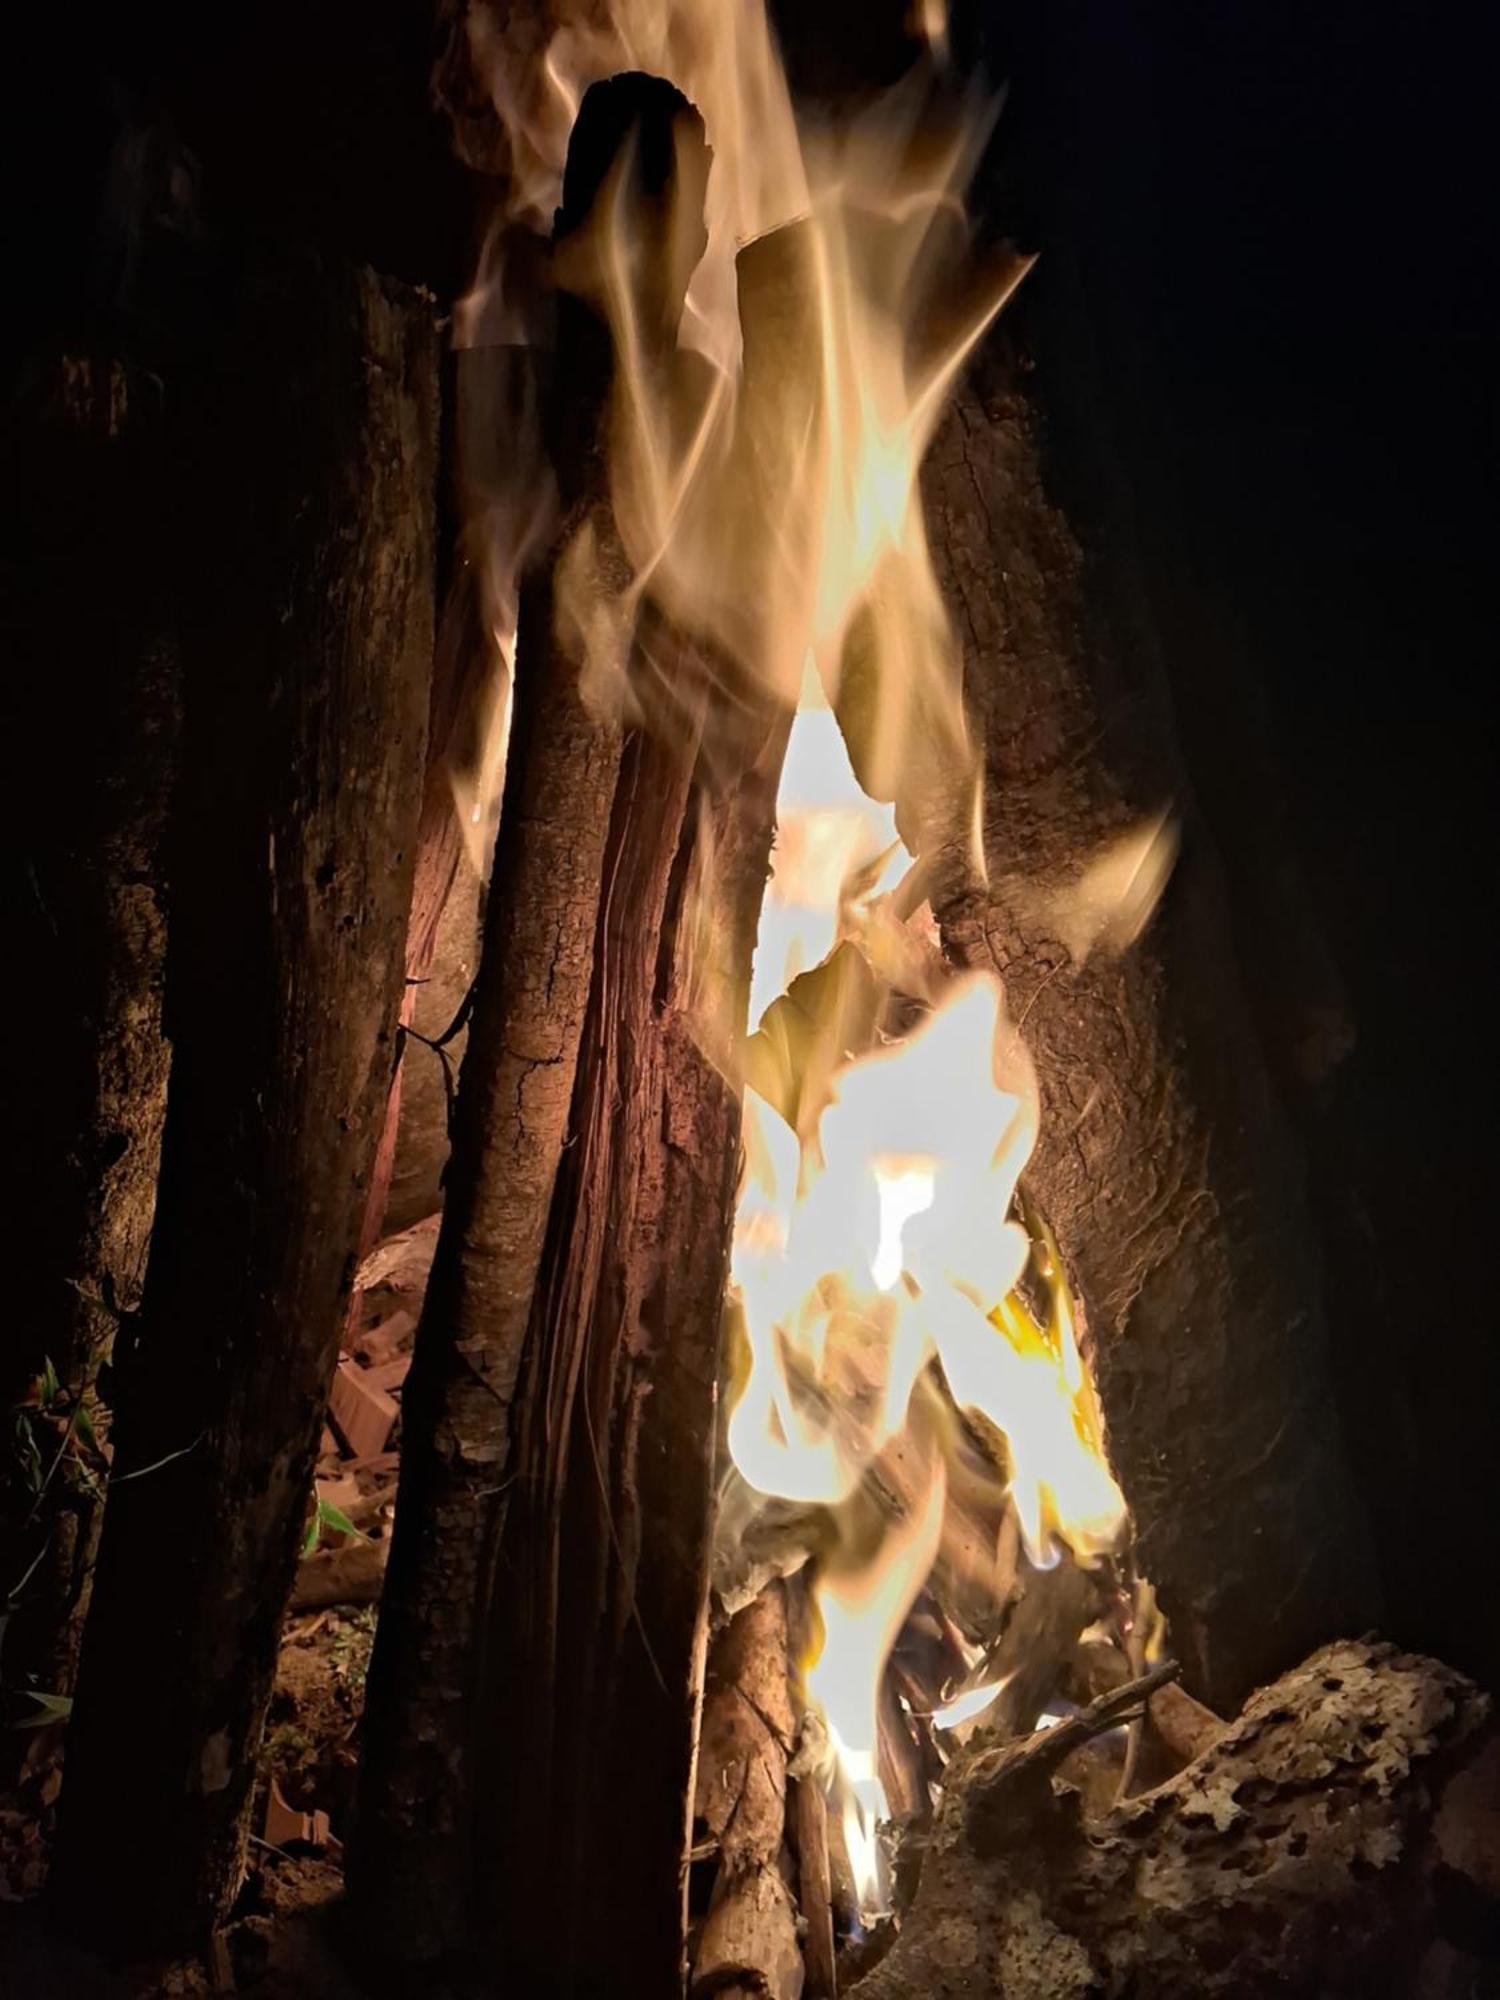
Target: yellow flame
(837,852)
(880,1241)
(863,1607)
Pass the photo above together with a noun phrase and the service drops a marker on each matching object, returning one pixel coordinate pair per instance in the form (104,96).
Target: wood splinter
(809,1827)
(748,1942)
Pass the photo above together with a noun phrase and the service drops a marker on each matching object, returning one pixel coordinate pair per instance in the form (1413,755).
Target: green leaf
(333,1517)
(310,1538)
(50,1386)
(53,1707)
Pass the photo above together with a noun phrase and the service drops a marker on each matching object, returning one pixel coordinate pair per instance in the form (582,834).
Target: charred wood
(308,467)
(1327,1843)
(1164,1165)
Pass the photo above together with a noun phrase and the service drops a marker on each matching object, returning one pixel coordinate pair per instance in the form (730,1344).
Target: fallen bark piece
(364,1413)
(382,1463)
(379,1344)
(403,1261)
(1299,1854)
(388,1375)
(1184,1726)
(352,1574)
(284,1824)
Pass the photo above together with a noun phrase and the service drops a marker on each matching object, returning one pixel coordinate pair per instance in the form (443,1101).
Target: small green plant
(334,1519)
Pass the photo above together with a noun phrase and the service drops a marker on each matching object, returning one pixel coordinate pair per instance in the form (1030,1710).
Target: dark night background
(1277,221)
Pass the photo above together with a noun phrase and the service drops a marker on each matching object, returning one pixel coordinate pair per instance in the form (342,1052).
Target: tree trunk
(1163,1165)
(1322,1845)
(87,617)
(307,488)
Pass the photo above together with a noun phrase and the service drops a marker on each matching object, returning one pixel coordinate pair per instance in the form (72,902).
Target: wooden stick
(809,1817)
(750,1934)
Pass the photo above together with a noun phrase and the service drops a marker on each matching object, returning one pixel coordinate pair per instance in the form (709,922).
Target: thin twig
(123,1478)
(1047,1747)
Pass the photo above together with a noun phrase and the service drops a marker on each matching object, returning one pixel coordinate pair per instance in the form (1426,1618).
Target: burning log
(307,639)
(1163,1164)
(85,602)
(748,1940)
(1321,1845)
(579,1036)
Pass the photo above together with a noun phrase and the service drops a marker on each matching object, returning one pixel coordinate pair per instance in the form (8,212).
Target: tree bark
(415,1859)
(1323,1845)
(85,603)
(511,1125)
(307,482)
(748,1939)
(1164,1165)
(599,1619)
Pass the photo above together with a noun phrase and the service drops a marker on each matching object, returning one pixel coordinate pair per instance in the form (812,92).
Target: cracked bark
(1332,1840)
(1164,1164)
(597,1628)
(597,1625)
(509,1130)
(307,612)
(748,1940)
(567,1026)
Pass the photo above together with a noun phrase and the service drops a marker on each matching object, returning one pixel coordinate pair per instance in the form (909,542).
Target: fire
(837,853)
(777,384)
(881,1244)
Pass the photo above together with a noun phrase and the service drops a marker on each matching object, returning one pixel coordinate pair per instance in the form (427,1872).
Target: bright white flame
(837,851)
(879,1241)
(863,1607)
(905,1192)
(969,1705)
